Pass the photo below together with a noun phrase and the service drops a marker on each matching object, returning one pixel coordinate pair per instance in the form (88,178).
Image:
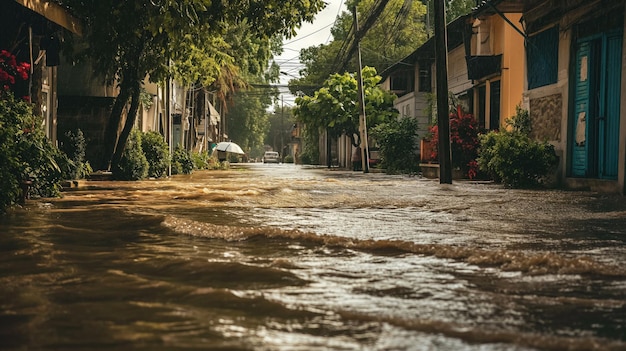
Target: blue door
(595,122)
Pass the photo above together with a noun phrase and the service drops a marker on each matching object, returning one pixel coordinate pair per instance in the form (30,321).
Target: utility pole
(365,162)
(282,116)
(443,118)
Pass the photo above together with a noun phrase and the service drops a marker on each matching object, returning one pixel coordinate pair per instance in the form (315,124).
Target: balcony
(479,67)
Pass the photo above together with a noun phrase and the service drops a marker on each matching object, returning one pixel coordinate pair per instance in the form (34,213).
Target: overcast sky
(310,34)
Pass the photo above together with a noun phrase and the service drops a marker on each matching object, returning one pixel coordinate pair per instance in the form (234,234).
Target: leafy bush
(133,165)
(398,144)
(25,153)
(310,146)
(74,146)
(200,160)
(464,142)
(288,159)
(41,162)
(157,154)
(182,163)
(513,158)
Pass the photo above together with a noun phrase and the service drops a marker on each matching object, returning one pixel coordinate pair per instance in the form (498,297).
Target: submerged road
(285,257)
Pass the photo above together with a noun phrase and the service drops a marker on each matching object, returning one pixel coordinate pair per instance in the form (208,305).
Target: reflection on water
(279,257)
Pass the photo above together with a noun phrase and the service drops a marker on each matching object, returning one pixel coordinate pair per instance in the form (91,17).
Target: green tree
(457,8)
(128,41)
(280,122)
(397,32)
(248,120)
(335,107)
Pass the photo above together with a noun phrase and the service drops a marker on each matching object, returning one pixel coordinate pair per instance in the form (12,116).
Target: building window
(425,78)
(542,56)
(481,111)
(494,108)
(488,105)
(402,82)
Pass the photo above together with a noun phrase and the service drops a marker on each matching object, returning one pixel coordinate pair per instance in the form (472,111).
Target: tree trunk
(131,79)
(110,134)
(128,126)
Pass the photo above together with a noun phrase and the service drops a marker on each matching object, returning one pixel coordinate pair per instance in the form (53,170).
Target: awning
(214,116)
(54,13)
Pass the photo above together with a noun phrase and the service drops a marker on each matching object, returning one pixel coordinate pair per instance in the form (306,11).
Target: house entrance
(594,124)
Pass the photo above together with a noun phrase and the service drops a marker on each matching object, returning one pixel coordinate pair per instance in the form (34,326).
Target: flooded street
(283,257)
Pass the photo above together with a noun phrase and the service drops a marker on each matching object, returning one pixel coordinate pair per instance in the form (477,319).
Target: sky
(310,34)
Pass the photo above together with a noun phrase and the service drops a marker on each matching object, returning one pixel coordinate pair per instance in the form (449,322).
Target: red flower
(464,142)
(4,76)
(10,69)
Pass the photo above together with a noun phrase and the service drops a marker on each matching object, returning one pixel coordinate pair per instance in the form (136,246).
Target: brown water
(280,257)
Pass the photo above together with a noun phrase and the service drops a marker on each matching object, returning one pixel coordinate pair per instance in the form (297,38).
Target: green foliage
(12,116)
(280,123)
(74,146)
(25,153)
(248,120)
(182,162)
(513,158)
(464,142)
(310,147)
(398,144)
(200,160)
(41,163)
(157,154)
(520,122)
(133,165)
(128,41)
(397,32)
(335,108)
(288,159)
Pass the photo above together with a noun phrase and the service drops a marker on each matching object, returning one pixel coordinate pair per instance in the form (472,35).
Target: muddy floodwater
(284,257)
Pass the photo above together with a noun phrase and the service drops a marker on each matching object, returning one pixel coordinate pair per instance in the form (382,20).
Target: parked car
(271,157)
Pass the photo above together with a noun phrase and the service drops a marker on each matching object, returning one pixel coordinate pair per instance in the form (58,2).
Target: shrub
(182,163)
(398,144)
(464,142)
(310,146)
(513,158)
(288,159)
(74,146)
(25,153)
(133,165)
(41,160)
(157,154)
(200,160)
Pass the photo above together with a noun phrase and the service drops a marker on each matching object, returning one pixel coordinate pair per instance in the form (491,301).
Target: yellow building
(495,65)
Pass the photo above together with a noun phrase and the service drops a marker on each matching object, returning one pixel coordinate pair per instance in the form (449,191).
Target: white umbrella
(229,146)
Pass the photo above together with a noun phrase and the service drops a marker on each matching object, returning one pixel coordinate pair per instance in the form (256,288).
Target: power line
(308,35)
(376,10)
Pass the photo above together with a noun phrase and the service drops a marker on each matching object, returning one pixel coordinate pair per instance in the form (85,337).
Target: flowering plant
(464,142)
(11,71)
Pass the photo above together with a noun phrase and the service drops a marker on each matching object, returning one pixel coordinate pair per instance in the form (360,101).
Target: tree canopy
(335,107)
(401,28)
(127,41)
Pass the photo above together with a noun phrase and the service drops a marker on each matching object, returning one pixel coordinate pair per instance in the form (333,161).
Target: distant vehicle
(271,157)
